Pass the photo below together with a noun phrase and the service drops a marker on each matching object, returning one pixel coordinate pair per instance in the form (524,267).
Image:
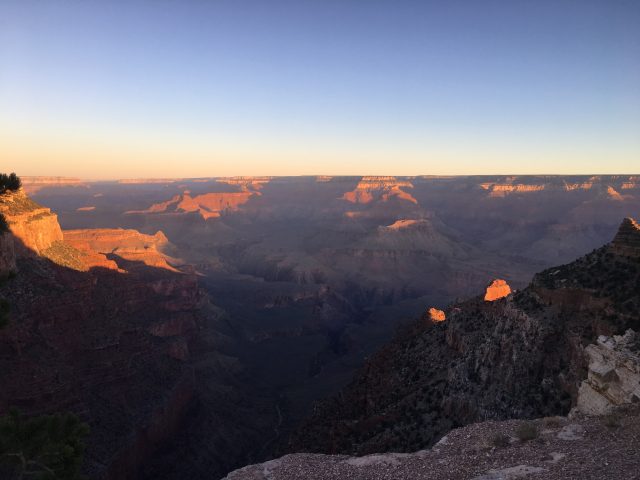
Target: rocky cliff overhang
(614,374)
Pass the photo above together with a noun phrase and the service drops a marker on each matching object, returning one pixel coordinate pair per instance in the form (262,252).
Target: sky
(169,88)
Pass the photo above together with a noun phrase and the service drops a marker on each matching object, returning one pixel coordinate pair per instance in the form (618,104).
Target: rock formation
(382,188)
(129,245)
(208,205)
(584,448)
(35,227)
(614,374)
(246,183)
(122,351)
(496,290)
(436,315)
(627,240)
(614,194)
(501,190)
(519,358)
(405,223)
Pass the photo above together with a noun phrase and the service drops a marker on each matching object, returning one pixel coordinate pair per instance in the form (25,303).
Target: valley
(254,298)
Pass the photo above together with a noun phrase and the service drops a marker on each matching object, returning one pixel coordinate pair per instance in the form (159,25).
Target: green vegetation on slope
(47,447)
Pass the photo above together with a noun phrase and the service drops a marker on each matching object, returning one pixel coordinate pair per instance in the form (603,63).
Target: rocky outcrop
(627,240)
(208,205)
(406,223)
(502,190)
(122,351)
(520,357)
(614,374)
(379,188)
(496,290)
(436,315)
(35,227)
(562,449)
(246,183)
(129,245)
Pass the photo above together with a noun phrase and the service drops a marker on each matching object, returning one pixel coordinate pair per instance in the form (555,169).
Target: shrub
(527,431)
(500,440)
(9,182)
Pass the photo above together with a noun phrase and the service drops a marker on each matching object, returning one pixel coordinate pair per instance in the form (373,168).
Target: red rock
(129,245)
(496,290)
(35,227)
(385,188)
(436,315)
(627,240)
(208,205)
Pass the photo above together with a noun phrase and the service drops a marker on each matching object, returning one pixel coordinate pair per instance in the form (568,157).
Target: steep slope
(516,357)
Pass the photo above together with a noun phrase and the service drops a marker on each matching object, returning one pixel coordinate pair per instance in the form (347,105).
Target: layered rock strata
(614,374)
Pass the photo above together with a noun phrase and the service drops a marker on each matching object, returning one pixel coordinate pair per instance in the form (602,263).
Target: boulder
(496,290)
(436,315)
(614,374)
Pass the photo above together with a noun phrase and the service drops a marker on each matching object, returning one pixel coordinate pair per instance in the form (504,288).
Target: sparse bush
(552,422)
(527,431)
(611,420)
(500,440)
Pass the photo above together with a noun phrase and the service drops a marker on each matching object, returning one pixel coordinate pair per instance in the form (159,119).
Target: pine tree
(9,182)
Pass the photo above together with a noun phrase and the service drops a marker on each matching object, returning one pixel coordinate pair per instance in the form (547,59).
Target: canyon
(517,355)
(216,313)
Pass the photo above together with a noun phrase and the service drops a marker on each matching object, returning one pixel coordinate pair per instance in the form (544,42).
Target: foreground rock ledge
(565,448)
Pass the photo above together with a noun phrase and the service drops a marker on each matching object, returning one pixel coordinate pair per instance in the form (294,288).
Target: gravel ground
(565,448)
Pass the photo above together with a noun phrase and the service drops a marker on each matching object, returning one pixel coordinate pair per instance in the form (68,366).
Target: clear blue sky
(199,88)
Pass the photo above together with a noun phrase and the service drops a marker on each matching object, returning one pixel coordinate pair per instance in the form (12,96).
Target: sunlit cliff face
(436,315)
(496,290)
(208,205)
(384,188)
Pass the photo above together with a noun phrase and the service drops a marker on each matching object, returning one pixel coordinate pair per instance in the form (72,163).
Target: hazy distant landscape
(313,274)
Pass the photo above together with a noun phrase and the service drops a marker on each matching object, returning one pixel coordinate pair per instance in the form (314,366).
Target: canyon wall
(519,356)
(35,227)
(122,351)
